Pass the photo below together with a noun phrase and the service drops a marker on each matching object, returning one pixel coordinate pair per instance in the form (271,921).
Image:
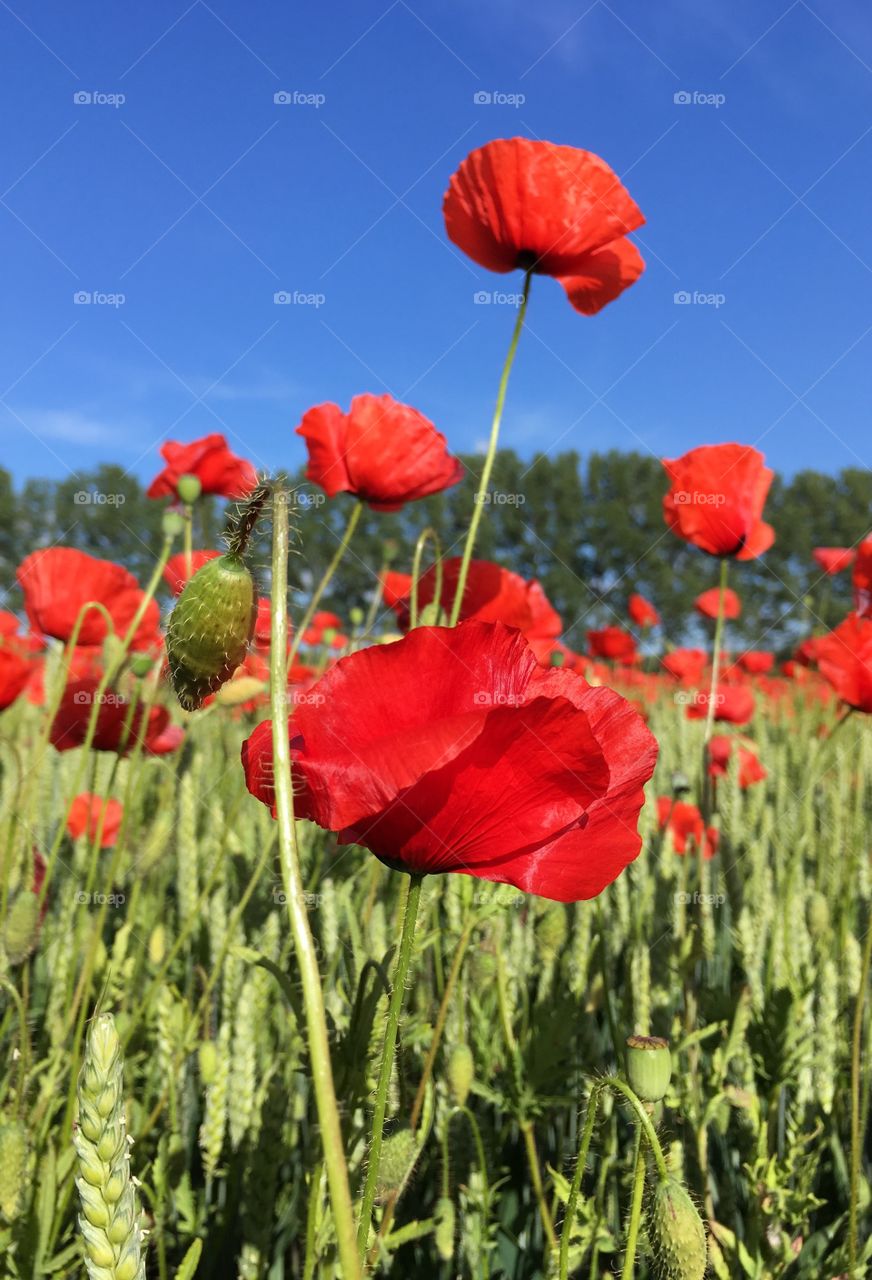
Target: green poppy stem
(304,945)
(484,479)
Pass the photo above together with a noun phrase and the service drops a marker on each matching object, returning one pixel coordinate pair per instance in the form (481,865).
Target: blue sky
(185,198)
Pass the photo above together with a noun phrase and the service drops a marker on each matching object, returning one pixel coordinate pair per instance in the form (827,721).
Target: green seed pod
(676,1233)
(210,628)
(13,1167)
(432,615)
(356,616)
(188,488)
(445,1226)
(141,664)
(461,1073)
(173,524)
(649,1067)
(22,926)
(397,1156)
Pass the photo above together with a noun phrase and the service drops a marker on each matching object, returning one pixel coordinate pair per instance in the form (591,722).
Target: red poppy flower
(516,203)
(70,725)
(210,459)
(686,665)
(642,612)
(86,813)
(614,644)
(757,662)
(716,500)
(9,623)
(15,672)
(720,749)
(689,834)
(384,452)
(176,573)
(834,560)
(862,579)
(734,704)
(492,594)
(806,652)
(707,603)
(454,750)
(58,581)
(845,660)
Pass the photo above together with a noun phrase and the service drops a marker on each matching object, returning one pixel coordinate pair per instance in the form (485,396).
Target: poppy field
(407,935)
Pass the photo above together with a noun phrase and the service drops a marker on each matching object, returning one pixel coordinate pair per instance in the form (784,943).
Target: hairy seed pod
(676,1233)
(22,926)
(461,1073)
(210,628)
(397,1157)
(13,1167)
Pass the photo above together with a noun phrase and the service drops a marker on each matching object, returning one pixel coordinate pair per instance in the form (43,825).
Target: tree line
(591,530)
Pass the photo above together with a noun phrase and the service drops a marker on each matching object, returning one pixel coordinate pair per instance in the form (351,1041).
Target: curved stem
(484,479)
(536,1178)
(316,1020)
(629,1269)
(581,1162)
(713,691)
(322,586)
(856,1127)
(423,538)
(410,915)
(189,541)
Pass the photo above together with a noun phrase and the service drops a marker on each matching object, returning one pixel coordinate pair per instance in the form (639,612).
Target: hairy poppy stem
(713,693)
(856,1126)
(398,989)
(313,997)
(325,581)
(484,479)
(629,1269)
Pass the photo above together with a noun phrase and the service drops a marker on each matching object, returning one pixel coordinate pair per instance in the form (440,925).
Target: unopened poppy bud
(432,615)
(141,664)
(328,635)
(13,1167)
(676,1233)
(210,628)
(22,926)
(649,1067)
(397,1157)
(189,489)
(461,1073)
(444,1217)
(173,524)
(355,616)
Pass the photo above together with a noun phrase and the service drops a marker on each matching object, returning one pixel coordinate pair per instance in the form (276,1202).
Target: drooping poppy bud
(398,1155)
(210,628)
(649,1067)
(22,926)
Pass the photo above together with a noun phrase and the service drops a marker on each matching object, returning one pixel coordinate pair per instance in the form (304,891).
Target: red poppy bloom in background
(642,612)
(492,594)
(689,834)
(454,750)
(9,623)
(58,581)
(176,571)
(720,749)
(686,665)
(210,459)
(70,725)
(707,603)
(15,672)
(834,560)
(845,660)
(85,816)
(862,579)
(757,662)
(384,452)
(806,652)
(734,704)
(516,203)
(614,644)
(716,498)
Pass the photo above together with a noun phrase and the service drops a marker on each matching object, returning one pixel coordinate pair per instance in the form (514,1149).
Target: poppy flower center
(527,260)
